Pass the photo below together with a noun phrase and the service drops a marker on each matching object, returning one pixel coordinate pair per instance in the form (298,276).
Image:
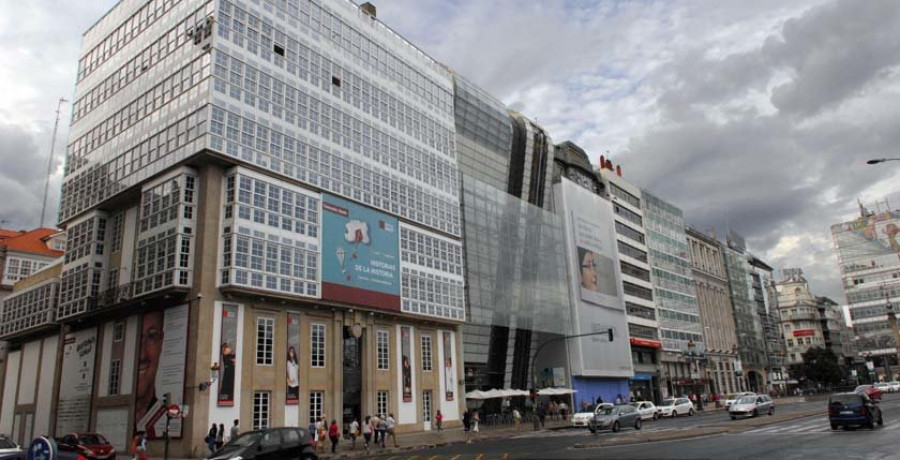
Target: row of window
(266,203)
(628,214)
(428,251)
(335,172)
(631,251)
(432,295)
(160,203)
(635,271)
(620,193)
(628,232)
(85,238)
(27,309)
(18,268)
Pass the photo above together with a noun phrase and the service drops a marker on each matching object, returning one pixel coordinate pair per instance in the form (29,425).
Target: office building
(716,311)
(867,249)
(680,329)
(263,221)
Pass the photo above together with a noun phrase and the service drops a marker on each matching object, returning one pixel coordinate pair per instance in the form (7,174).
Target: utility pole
(50,159)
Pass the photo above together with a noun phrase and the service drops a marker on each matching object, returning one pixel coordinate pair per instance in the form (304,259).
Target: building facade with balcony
(752,356)
(801,321)
(716,311)
(263,222)
(25,252)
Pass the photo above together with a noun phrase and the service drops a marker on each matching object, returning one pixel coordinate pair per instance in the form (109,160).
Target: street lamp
(881,160)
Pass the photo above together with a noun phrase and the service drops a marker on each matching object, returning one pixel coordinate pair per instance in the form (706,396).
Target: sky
(752,116)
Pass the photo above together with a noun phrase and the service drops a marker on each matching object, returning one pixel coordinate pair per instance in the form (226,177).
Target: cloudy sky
(756,116)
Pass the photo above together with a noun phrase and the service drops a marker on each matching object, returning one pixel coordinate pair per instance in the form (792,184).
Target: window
(336,81)
(279,50)
(383,347)
(629,232)
(317,353)
(261,410)
(118,332)
(381,402)
(426,353)
(115,374)
(316,402)
(265,338)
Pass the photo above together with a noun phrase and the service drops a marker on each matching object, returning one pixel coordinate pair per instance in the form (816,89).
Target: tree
(820,365)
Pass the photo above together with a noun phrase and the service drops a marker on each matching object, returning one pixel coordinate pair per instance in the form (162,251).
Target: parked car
(884,387)
(581,419)
(853,409)
(869,390)
(647,409)
(895,386)
(92,446)
(752,406)
(615,418)
(676,407)
(10,450)
(270,444)
(735,396)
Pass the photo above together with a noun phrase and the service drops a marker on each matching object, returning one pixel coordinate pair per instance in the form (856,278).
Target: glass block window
(29,308)
(18,268)
(382,339)
(426,353)
(261,409)
(428,294)
(265,341)
(316,403)
(317,348)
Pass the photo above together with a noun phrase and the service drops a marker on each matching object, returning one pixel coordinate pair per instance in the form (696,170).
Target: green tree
(820,365)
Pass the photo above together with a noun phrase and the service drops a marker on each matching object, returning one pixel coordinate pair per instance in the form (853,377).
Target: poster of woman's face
(449,384)
(292,365)
(597,273)
(405,364)
(152,335)
(227,355)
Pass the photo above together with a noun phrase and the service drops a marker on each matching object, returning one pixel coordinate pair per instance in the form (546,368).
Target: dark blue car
(853,409)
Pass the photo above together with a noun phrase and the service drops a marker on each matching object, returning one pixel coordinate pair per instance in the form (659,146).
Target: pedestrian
(439,420)
(599,399)
(619,400)
(235,430)
(517,418)
(220,436)
(475,420)
(541,415)
(467,420)
(334,434)
(367,432)
(312,433)
(564,410)
(321,429)
(211,438)
(382,429)
(138,446)
(375,420)
(354,432)
(391,425)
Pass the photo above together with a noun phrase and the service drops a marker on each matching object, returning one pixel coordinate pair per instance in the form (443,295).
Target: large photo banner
(76,381)
(405,363)
(595,278)
(360,255)
(449,381)
(293,360)
(227,355)
(161,367)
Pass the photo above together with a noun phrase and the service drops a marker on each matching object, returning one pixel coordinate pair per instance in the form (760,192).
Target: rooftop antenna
(50,159)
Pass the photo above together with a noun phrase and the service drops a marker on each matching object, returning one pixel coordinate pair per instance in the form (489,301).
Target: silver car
(615,418)
(751,406)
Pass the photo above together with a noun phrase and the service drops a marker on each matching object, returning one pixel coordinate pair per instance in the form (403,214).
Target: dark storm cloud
(22,177)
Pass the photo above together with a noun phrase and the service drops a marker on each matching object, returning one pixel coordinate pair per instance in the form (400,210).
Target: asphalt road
(804,438)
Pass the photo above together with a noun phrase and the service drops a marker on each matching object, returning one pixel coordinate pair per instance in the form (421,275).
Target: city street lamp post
(557,339)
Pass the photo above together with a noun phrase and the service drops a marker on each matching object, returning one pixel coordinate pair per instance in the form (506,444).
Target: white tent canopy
(495,393)
(555,391)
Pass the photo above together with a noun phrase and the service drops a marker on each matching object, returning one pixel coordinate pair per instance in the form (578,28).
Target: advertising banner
(76,381)
(360,255)
(405,363)
(804,333)
(161,367)
(227,355)
(595,280)
(293,359)
(449,381)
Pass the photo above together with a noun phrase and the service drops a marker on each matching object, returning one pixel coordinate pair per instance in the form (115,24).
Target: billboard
(360,255)
(293,360)
(227,355)
(161,367)
(595,284)
(405,362)
(449,384)
(76,381)
(868,242)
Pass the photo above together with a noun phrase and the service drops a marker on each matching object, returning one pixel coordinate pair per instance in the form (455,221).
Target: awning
(555,391)
(495,393)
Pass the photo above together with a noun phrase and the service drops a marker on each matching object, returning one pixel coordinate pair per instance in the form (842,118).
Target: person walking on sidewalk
(467,422)
(381,430)
(354,432)
(235,430)
(439,420)
(391,429)
(517,418)
(211,439)
(334,434)
(367,432)
(321,429)
(475,420)
(220,436)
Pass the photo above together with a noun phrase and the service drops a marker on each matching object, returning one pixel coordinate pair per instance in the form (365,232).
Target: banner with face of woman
(227,355)
(293,359)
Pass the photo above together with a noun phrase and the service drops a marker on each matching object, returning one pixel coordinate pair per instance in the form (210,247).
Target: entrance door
(352,380)
(426,410)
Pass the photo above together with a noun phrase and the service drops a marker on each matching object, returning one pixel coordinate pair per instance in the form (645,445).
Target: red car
(869,390)
(92,446)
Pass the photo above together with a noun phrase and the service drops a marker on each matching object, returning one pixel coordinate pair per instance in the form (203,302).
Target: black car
(270,444)
(853,409)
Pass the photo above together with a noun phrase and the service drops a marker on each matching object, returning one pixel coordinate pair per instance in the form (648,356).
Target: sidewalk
(431,439)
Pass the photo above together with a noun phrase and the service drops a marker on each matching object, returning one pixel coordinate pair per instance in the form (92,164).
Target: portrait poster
(76,381)
(161,367)
(293,359)
(449,384)
(227,355)
(405,363)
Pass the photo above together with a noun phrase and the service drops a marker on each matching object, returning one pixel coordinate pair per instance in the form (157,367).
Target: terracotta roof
(31,242)
(6,233)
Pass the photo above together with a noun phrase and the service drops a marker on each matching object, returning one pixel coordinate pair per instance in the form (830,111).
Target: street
(806,437)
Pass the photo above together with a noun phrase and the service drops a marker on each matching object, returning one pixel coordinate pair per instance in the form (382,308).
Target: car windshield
(862,388)
(7,444)
(668,402)
(91,439)
(245,439)
(606,411)
(747,400)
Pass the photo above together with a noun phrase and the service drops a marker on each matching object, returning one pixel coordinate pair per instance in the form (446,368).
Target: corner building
(263,212)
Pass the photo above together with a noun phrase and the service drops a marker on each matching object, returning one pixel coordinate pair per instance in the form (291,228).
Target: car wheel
(690,412)
(733,417)
(834,426)
(771,411)
(755,413)
(656,416)
(870,424)
(637,424)
(593,431)
(880,420)
(615,426)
